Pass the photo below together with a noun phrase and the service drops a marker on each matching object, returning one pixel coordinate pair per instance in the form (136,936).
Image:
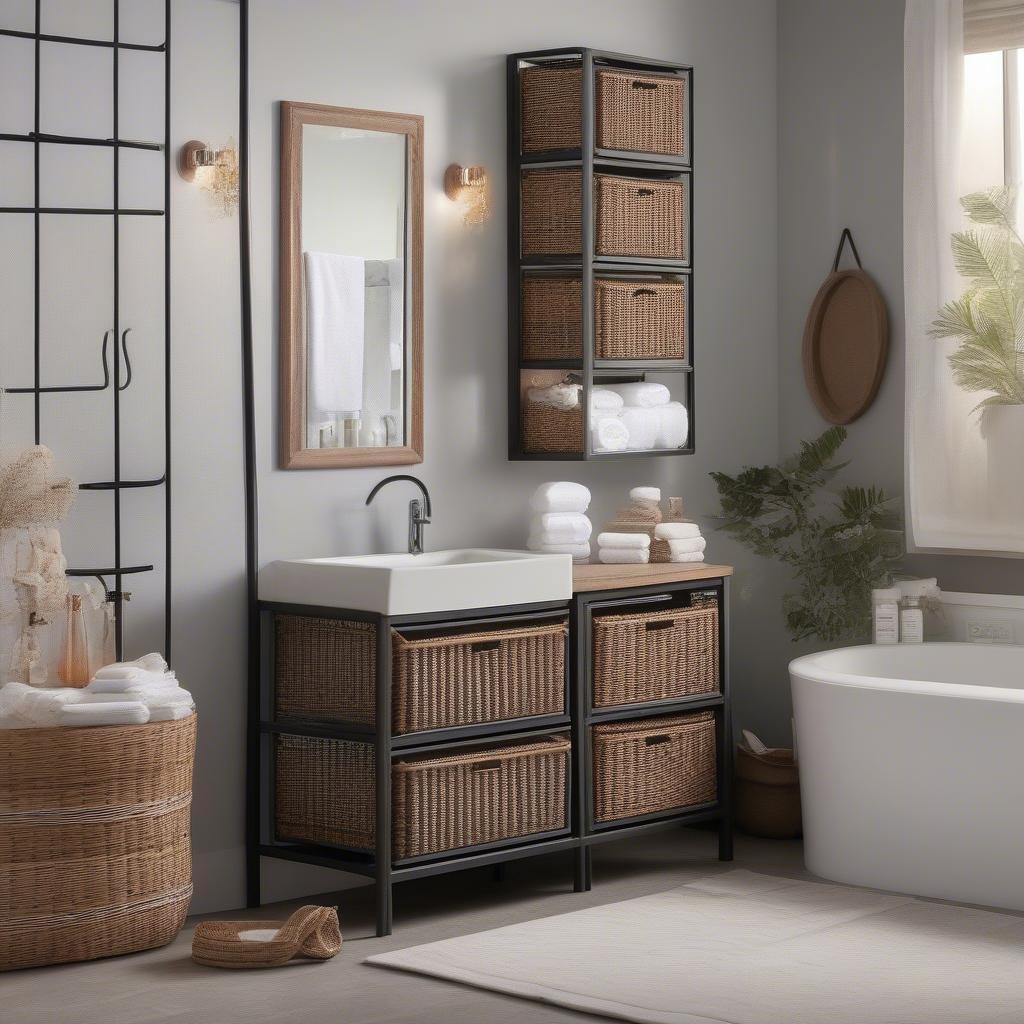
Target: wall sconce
(215,170)
(468,188)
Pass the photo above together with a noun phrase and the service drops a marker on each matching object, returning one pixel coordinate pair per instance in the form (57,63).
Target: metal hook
(127,361)
(845,237)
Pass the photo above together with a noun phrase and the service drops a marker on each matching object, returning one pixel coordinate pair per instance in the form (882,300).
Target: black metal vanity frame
(582,833)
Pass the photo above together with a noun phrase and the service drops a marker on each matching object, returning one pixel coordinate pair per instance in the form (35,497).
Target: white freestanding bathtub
(912,768)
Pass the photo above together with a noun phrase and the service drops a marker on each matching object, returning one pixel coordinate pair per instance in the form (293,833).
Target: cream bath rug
(744,948)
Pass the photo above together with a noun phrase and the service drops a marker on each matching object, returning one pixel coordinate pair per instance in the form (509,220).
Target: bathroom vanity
(590,707)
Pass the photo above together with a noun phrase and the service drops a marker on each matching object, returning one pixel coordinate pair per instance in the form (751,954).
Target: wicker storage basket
(324,669)
(645,113)
(325,794)
(95,856)
(463,679)
(649,656)
(653,764)
(547,429)
(634,319)
(645,218)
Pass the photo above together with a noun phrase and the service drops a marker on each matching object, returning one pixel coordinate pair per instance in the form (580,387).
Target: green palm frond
(991,206)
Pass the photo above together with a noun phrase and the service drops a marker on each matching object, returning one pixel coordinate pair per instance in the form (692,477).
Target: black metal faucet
(419,512)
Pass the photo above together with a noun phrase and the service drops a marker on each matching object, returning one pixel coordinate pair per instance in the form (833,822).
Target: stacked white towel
(609,432)
(652,420)
(121,694)
(684,541)
(623,548)
(558,524)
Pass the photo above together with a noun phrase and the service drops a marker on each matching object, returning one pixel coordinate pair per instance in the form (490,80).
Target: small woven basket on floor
(95,855)
(649,656)
(654,764)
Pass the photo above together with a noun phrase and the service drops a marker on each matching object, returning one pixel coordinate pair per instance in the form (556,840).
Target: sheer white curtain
(964,469)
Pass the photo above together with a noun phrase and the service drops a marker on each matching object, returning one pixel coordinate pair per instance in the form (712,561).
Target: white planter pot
(1002,427)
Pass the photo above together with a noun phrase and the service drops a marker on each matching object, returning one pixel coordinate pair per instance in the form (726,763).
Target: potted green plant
(839,547)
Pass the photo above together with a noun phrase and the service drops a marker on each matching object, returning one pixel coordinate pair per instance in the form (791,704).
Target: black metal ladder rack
(112,377)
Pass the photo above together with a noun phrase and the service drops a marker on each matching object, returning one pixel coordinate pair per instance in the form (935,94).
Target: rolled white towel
(560,496)
(645,394)
(623,556)
(171,712)
(610,434)
(604,400)
(560,528)
(558,396)
(685,547)
(688,556)
(645,494)
(128,712)
(643,425)
(676,531)
(624,540)
(673,426)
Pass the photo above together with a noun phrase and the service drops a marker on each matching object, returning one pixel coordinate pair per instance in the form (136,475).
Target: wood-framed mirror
(351,303)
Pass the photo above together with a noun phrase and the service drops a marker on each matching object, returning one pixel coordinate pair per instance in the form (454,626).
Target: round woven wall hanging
(846,340)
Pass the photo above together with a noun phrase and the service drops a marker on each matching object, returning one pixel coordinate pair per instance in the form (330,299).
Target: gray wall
(445,61)
(840,95)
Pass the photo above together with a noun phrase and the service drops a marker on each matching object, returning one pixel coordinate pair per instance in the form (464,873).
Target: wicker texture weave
(547,429)
(639,319)
(95,855)
(653,764)
(637,112)
(551,318)
(324,669)
(442,803)
(325,794)
(657,655)
(445,681)
(638,217)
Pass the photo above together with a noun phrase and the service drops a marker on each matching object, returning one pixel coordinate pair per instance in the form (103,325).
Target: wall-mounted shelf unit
(588,272)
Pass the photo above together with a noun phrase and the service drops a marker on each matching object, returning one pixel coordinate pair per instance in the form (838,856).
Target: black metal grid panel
(587,158)
(112,379)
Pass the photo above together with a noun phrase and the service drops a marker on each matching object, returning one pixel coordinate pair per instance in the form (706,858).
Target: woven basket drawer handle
(645,192)
(646,85)
(486,766)
(645,291)
(482,646)
(654,741)
(660,624)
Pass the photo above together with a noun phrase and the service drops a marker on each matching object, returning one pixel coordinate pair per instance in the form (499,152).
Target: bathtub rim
(805,667)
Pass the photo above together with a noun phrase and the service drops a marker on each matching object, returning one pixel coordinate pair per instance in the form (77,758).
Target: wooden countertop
(614,577)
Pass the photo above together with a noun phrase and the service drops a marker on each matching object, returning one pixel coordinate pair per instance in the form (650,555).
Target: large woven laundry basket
(95,856)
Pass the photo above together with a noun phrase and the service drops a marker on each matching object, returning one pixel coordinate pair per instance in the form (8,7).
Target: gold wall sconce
(215,171)
(468,188)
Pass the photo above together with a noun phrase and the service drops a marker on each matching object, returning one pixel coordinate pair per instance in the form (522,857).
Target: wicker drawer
(636,112)
(546,429)
(654,764)
(445,681)
(324,793)
(325,671)
(641,318)
(643,218)
(659,655)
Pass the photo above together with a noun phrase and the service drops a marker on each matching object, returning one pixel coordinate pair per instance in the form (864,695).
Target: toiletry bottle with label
(911,621)
(885,616)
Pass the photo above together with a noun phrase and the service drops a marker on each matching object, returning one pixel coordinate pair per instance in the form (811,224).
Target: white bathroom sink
(436,581)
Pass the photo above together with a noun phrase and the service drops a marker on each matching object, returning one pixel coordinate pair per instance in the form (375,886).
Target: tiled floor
(165,986)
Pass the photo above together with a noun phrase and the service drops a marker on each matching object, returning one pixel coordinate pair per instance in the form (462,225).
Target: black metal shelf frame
(582,832)
(37,138)
(589,157)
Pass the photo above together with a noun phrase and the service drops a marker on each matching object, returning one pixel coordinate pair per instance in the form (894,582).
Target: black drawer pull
(655,741)
(646,85)
(644,291)
(481,646)
(486,766)
(660,624)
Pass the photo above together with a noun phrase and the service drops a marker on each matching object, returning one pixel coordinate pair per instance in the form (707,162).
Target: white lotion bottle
(911,621)
(885,616)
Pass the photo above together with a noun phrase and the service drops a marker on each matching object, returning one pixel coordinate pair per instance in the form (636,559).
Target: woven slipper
(311,932)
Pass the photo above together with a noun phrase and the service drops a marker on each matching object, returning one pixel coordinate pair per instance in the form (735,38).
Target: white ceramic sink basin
(436,581)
